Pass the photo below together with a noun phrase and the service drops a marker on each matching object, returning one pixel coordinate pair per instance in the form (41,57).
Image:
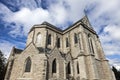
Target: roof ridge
(47,23)
(84,21)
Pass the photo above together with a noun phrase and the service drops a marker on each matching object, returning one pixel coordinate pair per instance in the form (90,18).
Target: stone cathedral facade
(54,54)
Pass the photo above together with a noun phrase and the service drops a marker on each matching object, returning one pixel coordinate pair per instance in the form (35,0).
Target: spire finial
(85,12)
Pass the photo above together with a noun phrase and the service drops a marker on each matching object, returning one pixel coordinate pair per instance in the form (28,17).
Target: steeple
(85,19)
(86,22)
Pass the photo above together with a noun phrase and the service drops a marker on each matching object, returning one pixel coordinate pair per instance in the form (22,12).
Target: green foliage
(2,66)
(116,72)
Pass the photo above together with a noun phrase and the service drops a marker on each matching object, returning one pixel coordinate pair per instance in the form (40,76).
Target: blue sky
(18,16)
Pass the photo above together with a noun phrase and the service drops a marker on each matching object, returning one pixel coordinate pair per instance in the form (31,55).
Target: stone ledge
(24,79)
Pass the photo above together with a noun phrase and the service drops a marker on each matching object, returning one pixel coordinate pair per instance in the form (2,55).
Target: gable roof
(46,23)
(17,51)
(84,21)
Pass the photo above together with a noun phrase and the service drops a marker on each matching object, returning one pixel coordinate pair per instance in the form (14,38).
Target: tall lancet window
(54,66)
(78,68)
(58,42)
(75,38)
(49,39)
(90,43)
(38,39)
(67,43)
(68,68)
(28,65)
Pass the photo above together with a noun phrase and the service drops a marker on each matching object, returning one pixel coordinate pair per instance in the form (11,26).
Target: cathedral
(55,54)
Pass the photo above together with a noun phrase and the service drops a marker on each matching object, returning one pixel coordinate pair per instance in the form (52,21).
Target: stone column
(9,68)
(82,67)
(80,39)
(107,71)
(7,75)
(100,49)
(85,43)
(90,59)
(64,69)
(95,48)
(93,74)
(72,68)
(45,72)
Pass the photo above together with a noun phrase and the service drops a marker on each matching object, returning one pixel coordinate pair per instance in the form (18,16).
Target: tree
(116,72)
(2,66)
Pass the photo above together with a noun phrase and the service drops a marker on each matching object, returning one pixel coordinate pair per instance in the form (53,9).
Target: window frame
(28,64)
(67,42)
(54,66)
(90,43)
(68,68)
(38,38)
(58,42)
(49,39)
(75,38)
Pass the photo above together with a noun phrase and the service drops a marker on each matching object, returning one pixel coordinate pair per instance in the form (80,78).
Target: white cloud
(27,18)
(113,31)
(111,49)
(115,62)
(56,14)
(104,6)
(4,10)
(6,47)
(110,39)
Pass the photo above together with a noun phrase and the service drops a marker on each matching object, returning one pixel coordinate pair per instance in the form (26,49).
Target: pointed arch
(67,43)
(38,39)
(75,38)
(28,65)
(68,68)
(49,39)
(90,43)
(54,66)
(58,43)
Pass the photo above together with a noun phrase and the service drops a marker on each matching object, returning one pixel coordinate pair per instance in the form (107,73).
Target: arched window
(49,39)
(38,39)
(90,43)
(78,68)
(28,65)
(54,66)
(75,38)
(68,68)
(58,42)
(67,43)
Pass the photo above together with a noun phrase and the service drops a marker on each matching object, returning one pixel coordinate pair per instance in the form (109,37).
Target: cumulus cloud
(115,62)
(58,13)
(113,31)
(27,18)
(6,47)
(110,38)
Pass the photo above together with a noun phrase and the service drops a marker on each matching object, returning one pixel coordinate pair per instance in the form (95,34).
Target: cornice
(60,31)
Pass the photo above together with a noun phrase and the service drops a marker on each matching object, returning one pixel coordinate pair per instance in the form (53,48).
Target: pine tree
(116,72)
(2,66)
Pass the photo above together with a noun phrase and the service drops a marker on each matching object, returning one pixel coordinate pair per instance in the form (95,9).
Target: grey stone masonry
(54,54)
